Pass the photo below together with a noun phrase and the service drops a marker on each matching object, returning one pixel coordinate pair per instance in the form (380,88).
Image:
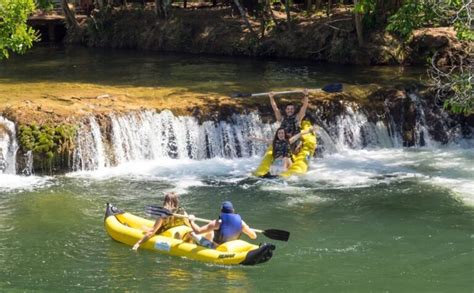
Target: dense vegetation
(15,35)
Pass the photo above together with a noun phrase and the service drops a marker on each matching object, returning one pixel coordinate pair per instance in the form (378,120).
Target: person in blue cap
(228,227)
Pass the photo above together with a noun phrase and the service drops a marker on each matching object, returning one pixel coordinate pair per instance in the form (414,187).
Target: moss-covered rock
(51,146)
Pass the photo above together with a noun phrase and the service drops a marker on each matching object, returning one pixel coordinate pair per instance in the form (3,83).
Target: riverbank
(314,37)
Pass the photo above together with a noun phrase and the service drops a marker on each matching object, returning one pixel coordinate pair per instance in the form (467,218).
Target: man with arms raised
(290,120)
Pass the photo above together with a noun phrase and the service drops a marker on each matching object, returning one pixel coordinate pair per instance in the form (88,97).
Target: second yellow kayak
(301,160)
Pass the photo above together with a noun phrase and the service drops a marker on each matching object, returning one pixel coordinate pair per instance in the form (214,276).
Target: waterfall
(112,139)
(422,136)
(148,135)
(8,146)
(353,130)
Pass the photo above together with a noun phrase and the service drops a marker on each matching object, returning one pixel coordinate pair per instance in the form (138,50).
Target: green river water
(375,220)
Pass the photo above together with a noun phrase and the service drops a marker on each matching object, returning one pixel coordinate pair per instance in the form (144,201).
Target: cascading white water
(422,136)
(352,130)
(8,146)
(148,135)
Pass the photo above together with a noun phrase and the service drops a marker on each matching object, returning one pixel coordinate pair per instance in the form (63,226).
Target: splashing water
(8,146)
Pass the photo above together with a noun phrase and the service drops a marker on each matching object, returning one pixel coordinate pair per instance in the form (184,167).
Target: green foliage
(46,5)
(461,100)
(412,15)
(15,35)
(464,32)
(365,6)
(455,82)
(431,13)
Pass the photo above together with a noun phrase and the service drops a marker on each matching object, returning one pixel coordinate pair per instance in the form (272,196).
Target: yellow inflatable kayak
(127,228)
(300,160)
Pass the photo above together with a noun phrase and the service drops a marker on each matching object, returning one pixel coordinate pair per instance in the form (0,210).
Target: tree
(453,82)
(71,20)
(358,24)
(244,17)
(15,35)
(288,14)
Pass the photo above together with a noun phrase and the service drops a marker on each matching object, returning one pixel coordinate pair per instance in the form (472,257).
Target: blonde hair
(171,201)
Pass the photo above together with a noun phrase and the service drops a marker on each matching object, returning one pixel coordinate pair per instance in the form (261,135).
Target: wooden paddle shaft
(208,221)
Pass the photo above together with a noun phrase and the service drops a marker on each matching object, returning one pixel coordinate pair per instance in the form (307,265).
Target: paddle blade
(158,211)
(333,88)
(277,234)
(240,95)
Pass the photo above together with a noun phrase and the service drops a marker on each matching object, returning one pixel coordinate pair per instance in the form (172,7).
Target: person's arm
(204,229)
(249,232)
(302,111)
(149,234)
(278,116)
(298,135)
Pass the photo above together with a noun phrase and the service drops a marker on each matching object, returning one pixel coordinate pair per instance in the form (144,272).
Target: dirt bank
(216,31)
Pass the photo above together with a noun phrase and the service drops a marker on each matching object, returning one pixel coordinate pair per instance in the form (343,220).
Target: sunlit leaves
(15,35)
(432,13)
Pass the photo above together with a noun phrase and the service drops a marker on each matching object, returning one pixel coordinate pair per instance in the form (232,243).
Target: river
(378,218)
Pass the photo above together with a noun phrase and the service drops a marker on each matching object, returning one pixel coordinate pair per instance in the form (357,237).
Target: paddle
(270,233)
(329,88)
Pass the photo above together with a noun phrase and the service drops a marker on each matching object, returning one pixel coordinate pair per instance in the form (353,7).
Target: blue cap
(227,207)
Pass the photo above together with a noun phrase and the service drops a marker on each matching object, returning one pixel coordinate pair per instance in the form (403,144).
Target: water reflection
(122,68)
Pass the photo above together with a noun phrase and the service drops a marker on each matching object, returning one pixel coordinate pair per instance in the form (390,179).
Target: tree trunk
(163,8)
(309,5)
(71,20)
(317,5)
(244,16)
(100,4)
(270,10)
(328,10)
(158,8)
(288,14)
(167,8)
(358,25)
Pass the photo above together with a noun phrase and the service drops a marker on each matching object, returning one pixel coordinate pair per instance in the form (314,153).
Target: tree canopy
(15,35)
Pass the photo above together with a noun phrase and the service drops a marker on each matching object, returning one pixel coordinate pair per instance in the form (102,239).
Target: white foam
(463,189)
(360,168)
(449,168)
(10,182)
(173,169)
